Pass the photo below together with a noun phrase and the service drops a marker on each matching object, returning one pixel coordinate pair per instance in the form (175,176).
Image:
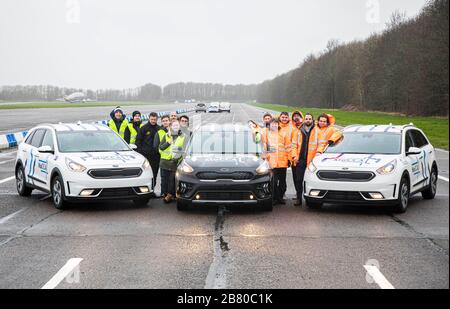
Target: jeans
(167,182)
(300,176)
(279,183)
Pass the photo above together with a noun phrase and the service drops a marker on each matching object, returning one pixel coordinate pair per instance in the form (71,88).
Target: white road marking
(7,179)
(442,150)
(7,154)
(443,178)
(7,161)
(378,277)
(63,273)
(9,217)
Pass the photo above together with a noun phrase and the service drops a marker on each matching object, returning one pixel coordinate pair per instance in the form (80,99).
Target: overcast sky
(126,43)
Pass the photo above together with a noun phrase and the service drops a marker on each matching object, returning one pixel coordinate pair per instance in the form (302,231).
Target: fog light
(197,197)
(314,193)
(252,197)
(376,196)
(144,189)
(86,192)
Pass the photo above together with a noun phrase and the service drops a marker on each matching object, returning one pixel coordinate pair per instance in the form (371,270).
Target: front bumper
(107,189)
(192,191)
(352,192)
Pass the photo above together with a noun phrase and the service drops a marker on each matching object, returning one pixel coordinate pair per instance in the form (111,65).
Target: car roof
(377,128)
(213,127)
(68,127)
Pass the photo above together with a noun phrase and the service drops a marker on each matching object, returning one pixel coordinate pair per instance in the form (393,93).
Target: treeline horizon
(403,69)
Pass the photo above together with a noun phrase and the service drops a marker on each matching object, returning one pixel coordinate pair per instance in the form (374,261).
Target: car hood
(352,161)
(232,162)
(107,159)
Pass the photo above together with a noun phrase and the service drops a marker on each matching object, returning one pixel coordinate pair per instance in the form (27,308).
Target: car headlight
(312,167)
(146,165)
(263,169)
(388,168)
(74,166)
(185,168)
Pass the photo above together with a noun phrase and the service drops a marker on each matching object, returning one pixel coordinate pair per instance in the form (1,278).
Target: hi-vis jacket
(133,132)
(277,148)
(318,140)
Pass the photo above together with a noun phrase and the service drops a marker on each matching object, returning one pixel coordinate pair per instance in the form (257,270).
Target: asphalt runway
(124,246)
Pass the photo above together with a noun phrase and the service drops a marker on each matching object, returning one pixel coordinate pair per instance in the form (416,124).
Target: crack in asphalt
(421,235)
(217,274)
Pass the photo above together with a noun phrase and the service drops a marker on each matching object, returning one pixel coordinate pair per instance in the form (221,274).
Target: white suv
(81,162)
(375,164)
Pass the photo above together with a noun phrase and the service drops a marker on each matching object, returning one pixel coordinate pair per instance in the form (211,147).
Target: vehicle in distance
(374,164)
(223,166)
(200,108)
(214,108)
(225,107)
(81,163)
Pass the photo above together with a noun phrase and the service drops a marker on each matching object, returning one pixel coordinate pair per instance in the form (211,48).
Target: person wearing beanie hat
(119,123)
(135,126)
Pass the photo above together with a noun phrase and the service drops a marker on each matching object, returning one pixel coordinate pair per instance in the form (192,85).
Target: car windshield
(90,141)
(228,142)
(368,143)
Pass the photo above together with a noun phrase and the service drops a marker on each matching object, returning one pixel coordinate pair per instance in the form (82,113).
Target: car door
(413,161)
(422,143)
(32,160)
(41,168)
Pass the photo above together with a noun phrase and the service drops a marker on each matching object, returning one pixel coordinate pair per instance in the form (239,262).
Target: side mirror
(413,151)
(46,149)
(133,146)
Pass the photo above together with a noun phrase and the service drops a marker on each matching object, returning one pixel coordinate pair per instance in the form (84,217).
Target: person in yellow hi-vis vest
(135,126)
(119,124)
(172,151)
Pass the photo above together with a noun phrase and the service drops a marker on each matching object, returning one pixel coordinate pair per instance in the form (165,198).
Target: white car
(225,107)
(374,164)
(214,108)
(81,162)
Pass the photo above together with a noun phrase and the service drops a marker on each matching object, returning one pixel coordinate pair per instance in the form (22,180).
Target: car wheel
(141,202)
(181,206)
(58,195)
(21,184)
(313,204)
(430,192)
(403,196)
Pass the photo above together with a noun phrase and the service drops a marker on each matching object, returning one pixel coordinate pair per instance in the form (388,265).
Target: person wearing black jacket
(145,142)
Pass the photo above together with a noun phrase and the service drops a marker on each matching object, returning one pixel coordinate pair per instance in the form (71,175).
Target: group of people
(294,142)
(288,142)
(163,145)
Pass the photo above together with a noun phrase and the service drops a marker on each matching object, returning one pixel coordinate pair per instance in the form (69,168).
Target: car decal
(364,160)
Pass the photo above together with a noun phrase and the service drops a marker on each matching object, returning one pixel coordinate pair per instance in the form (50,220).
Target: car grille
(225,176)
(344,196)
(345,176)
(224,196)
(117,192)
(115,173)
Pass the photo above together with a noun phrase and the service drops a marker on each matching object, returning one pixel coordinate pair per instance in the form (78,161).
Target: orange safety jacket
(319,138)
(277,148)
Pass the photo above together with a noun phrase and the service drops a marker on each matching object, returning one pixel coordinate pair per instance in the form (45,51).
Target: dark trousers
(279,183)
(167,182)
(155,169)
(294,179)
(300,176)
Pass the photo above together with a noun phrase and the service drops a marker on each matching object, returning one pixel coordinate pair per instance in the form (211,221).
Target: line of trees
(404,69)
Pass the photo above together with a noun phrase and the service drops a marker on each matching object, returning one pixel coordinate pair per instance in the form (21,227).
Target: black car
(223,166)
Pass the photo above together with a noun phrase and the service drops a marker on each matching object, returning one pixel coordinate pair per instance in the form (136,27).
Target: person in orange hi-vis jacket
(321,135)
(277,150)
(296,123)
